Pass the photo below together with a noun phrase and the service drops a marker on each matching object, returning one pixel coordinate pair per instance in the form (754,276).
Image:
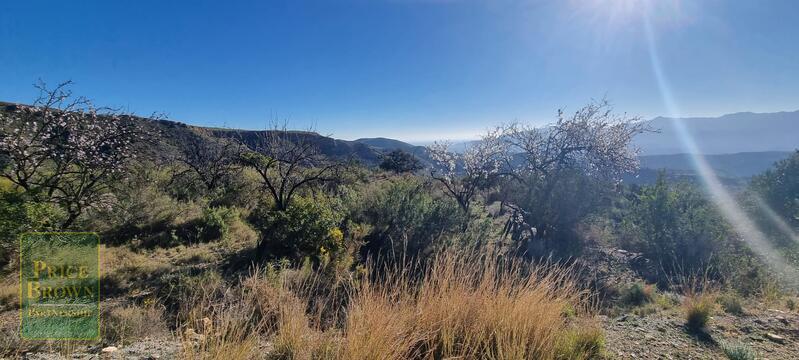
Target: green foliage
(400,161)
(581,343)
(738,351)
(308,227)
(216,222)
(731,303)
(555,206)
(18,215)
(638,294)
(675,226)
(779,188)
(406,218)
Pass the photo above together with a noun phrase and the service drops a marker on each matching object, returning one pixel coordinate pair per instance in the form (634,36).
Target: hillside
(739,165)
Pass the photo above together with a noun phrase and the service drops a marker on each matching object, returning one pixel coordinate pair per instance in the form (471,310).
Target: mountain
(727,134)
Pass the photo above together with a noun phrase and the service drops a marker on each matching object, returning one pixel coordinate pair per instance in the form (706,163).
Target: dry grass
(9,293)
(462,306)
(469,306)
(220,323)
(700,300)
(121,325)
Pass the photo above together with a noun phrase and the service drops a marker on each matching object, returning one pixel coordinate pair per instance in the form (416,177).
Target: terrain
(285,244)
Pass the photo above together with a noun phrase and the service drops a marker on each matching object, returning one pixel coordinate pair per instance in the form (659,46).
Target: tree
(65,151)
(567,169)
(400,161)
(211,161)
(287,162)
(779,188)
(478,167)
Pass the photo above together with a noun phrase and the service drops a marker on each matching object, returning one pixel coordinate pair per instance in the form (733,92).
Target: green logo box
(60,286)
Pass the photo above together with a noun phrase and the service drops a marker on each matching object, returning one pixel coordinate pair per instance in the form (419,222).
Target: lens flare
(722,199)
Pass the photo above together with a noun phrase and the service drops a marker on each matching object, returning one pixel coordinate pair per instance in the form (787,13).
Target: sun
(613,14)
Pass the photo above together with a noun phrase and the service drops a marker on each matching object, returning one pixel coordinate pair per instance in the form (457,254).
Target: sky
(413,70)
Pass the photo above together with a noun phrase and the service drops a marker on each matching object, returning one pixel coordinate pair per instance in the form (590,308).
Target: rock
(775,338)
(782,320)
(109,349)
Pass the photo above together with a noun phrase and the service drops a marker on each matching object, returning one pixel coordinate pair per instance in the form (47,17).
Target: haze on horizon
(413,70)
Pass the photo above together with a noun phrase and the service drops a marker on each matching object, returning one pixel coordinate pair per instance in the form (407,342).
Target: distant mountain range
(727,134)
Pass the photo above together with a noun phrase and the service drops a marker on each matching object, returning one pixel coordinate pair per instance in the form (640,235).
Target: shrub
(675,226)
(738,351)
(731,303)
(638,294)
(308,227)
(405,218)
(400,161)
(18,214)
(698,309)
(581,342)
(790,304)
(215,223)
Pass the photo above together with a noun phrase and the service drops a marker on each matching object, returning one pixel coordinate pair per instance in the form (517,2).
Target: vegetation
(229,240)
(738,351)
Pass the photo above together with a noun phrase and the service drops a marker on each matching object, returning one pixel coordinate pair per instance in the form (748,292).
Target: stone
(109,349)
(775,338)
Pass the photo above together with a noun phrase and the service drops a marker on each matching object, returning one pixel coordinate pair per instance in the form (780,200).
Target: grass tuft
(738,351)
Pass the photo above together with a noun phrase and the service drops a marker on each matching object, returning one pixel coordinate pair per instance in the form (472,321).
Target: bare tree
(65,151)
(288,161)
(213,162)
(478,167)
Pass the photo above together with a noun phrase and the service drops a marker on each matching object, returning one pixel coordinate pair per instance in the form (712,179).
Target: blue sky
(413,70)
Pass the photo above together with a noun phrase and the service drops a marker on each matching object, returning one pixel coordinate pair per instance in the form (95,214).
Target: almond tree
(478,167)
(63,150)
(567,168)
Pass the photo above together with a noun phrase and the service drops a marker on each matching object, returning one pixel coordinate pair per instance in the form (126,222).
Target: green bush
(308,227)
(638,294)
(676,226)
(555,206)
(19,215)
(731,303)
(581,343)
(406,218)
(739,351)
(215,223)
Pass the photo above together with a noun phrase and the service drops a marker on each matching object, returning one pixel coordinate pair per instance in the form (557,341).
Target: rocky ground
(773,334)
(649,331)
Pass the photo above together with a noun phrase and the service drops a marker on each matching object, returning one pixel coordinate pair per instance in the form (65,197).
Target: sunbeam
(722,199)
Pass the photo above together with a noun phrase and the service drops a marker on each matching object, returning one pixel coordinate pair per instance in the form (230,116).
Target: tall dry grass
(462,305)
